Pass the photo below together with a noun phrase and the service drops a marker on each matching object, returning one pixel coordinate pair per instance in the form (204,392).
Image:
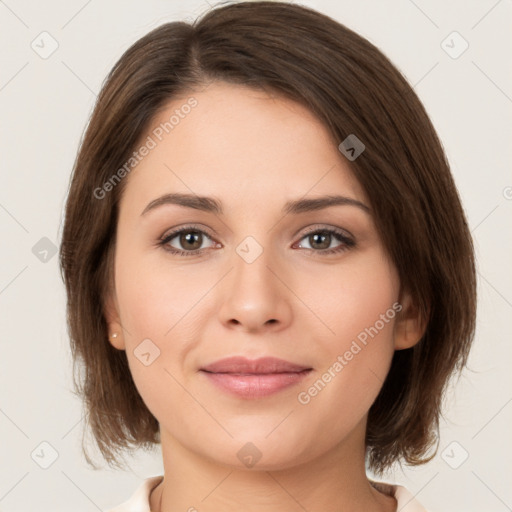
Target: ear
(410,324)
(115,329)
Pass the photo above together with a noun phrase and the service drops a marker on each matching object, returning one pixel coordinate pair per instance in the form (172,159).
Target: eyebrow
(209,204)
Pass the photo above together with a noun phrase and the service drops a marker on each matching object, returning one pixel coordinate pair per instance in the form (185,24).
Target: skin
(254,152)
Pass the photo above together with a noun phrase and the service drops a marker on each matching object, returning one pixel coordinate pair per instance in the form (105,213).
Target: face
(313,287)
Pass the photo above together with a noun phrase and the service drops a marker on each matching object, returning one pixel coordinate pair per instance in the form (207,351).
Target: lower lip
(257,385)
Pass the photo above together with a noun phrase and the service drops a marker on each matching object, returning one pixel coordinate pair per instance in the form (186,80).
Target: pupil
(189,239)
(324,237)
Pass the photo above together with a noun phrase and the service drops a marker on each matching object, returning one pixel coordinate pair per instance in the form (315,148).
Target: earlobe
(115,330)
(116,339)
(410,325)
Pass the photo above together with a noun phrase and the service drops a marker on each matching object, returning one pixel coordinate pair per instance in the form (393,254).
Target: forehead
(240,143)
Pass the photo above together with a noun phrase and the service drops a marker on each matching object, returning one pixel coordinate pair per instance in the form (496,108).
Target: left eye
(322,239)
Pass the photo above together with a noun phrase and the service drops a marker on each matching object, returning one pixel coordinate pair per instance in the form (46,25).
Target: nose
(254,295)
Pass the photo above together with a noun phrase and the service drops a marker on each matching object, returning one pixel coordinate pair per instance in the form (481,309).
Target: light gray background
(45,104)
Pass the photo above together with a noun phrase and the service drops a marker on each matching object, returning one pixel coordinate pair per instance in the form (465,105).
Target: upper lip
(238,364)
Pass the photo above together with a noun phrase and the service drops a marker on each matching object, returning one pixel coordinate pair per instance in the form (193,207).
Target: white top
(139,501)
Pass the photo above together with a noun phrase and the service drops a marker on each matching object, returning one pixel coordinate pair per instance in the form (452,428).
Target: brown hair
(353,88)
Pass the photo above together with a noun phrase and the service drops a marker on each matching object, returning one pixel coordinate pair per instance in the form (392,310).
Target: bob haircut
(296,52)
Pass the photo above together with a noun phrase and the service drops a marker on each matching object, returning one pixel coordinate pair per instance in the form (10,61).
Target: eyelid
(321,227)
(190,227)
(201,227)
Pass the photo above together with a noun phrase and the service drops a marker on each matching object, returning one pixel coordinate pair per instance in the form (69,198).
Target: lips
(254,379)
(262,366)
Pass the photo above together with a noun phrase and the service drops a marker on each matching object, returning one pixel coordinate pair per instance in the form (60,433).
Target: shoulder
(139,500)
(406,502)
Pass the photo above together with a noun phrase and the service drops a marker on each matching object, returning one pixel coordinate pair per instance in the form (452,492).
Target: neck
(336,480)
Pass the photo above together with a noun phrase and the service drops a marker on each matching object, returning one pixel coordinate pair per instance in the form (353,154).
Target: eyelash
(347,243)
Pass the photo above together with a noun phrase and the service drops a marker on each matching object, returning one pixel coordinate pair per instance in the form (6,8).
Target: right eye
(190,238)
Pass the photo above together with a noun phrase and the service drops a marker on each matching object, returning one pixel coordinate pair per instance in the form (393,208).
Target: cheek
(159,313)
(354,366)
(358,310)
(155,297)
(350,298)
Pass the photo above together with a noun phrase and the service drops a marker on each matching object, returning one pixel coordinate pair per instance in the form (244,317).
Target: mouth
(253,379)
(261,366)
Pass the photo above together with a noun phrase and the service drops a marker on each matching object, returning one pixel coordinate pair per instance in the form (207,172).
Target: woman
(268,268)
